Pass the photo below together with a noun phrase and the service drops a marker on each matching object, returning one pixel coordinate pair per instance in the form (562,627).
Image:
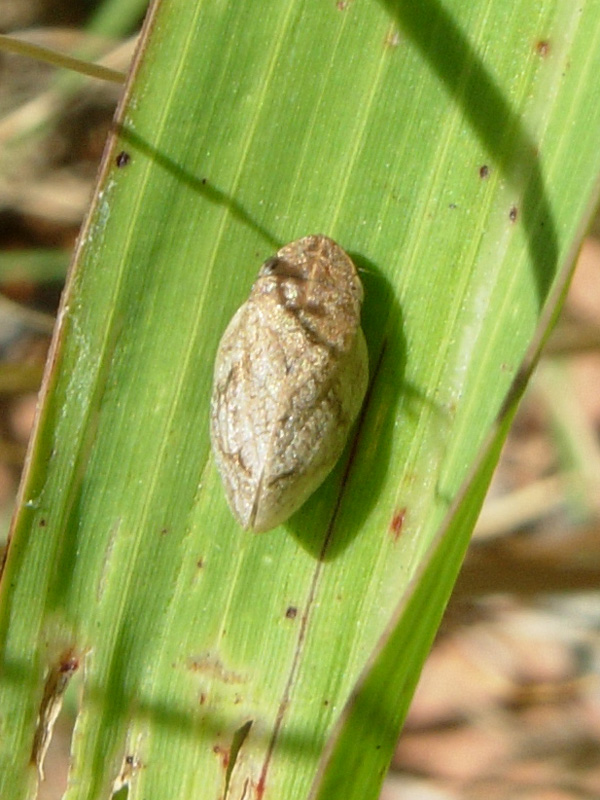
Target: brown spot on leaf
(69,665)
(542,48)
(57,680)
(484,171)
(131,765)
(261,786)
(211,665)
(291,612)
(223,752)
(398,523)
(513,214)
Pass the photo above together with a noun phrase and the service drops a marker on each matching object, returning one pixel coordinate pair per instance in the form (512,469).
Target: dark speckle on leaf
(123,159)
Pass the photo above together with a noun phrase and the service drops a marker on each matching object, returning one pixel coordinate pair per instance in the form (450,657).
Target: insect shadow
(349,493)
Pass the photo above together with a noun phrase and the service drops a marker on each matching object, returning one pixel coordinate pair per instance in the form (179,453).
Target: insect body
(290,376)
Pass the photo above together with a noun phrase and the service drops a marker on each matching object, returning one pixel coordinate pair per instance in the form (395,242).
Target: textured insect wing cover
(290,376)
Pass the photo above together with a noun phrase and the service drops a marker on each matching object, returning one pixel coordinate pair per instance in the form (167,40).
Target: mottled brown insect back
(290,377)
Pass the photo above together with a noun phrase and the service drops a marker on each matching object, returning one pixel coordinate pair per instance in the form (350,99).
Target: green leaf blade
(243,136)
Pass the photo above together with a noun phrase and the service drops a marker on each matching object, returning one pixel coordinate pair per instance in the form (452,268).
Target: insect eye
(282,268)
(272,266)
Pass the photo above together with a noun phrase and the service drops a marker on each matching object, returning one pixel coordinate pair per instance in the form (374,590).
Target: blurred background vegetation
(509,702)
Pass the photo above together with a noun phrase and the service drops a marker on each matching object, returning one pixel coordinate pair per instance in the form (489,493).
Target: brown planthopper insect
(290,377)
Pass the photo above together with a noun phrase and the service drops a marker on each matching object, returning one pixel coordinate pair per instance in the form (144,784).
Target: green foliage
(452,151)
